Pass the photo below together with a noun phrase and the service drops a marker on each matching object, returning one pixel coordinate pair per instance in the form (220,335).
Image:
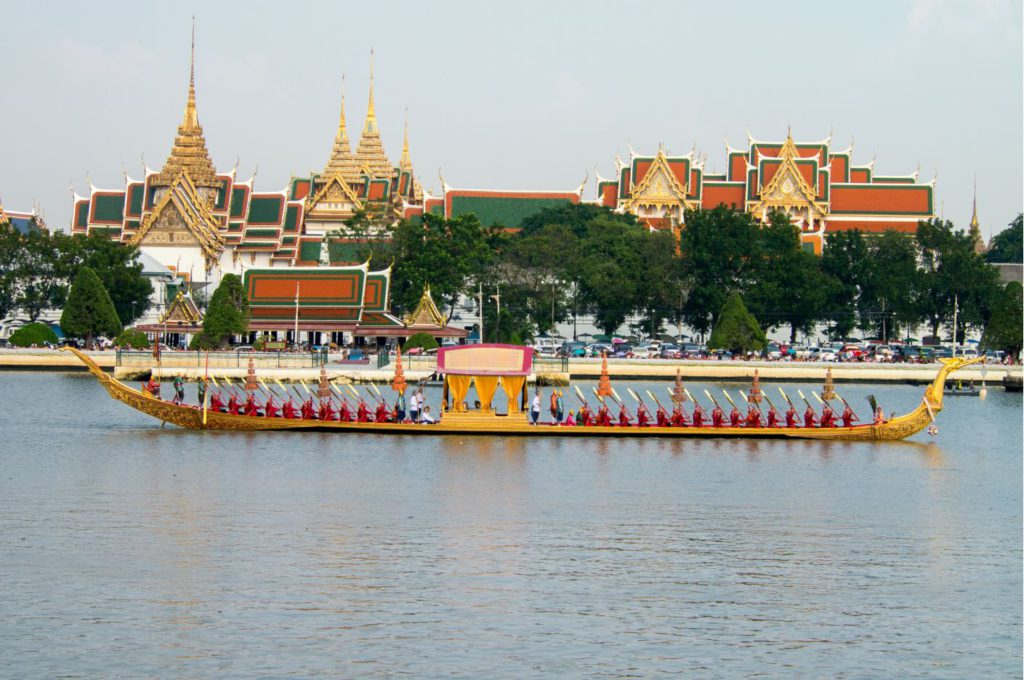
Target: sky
(523,95)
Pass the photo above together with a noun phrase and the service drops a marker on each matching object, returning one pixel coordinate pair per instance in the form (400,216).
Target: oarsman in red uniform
(327,412)
(625,417)
(717,416)
(153,387)
(344,412)
(586,416)
(735,418)
(216,403)
(234,408)
(753,416)
(849,417)
(307,410)
(289,409)
(828,416)
(270,408)
(773,417)
(604,418)
(791,417)
(252,408)
(810,417)
(381,414)
(661,417)
(698,415)
(643,416)
(362,412)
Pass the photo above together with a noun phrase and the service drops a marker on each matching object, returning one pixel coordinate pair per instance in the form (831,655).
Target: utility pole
(480,301)
(497,319)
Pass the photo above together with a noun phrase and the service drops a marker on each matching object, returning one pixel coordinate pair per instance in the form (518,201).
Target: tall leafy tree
(1008,245)
(10,252)
(448,255)
(115,263)
(1004,329)
(41,283)
(844,263)
(952,274)
(888,299)
(227,314)
(718,249)
(610,267)
(787,285)
(89,311)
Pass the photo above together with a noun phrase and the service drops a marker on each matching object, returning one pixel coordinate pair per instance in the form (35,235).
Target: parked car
(966,352)
(773,351)
(358,355)
(669,351)
(622,350)
(943,353)
(995,355)
(645,352)
(823,354)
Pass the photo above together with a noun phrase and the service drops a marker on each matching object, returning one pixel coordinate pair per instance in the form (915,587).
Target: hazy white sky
(513,95)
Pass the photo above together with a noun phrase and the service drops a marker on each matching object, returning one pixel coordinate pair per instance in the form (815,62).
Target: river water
(127,550)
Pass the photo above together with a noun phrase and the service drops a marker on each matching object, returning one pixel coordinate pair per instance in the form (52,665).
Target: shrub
(132,338)
(33,334)
(422,340)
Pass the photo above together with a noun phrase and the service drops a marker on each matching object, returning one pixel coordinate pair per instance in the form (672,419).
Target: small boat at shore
(487,366)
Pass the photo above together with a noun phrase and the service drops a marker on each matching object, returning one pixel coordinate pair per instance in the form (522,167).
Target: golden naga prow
(459,419)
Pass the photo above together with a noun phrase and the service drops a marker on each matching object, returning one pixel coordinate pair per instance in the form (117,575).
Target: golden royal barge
(488,367)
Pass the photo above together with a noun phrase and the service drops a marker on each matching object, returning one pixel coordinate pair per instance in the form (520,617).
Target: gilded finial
(405,163)
(371,114)
(974,210)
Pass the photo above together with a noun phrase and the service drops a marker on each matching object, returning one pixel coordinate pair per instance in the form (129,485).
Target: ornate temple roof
(342,162)
(189,153)
(370,156)
(426,314)
(182,310)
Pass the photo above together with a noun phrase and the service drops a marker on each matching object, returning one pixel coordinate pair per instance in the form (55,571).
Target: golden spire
(342,161)
(371,114)
(406,162)
(189,153)
(370,153)
(975,229)
(974,211)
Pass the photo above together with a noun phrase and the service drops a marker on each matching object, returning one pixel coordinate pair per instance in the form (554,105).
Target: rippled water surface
(127,550)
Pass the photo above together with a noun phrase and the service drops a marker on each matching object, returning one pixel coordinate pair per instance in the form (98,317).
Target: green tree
(1004,327)
(31,334)
(1008,245)
(787,285)
(421,340)
(737,330)
(89,311)
(610,269)
(719,252)
(844,264)
(115,263)
(889,291)
(449,255)
(227,315)
(573,216)
(952,274)
(41,283)
(132,338)
(10,254)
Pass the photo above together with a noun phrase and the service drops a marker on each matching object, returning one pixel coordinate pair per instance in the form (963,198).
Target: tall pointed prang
(342,162)
(189,153)
(370,153)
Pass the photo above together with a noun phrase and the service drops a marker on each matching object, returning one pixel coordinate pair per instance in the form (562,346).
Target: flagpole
(206,386)
(297,286)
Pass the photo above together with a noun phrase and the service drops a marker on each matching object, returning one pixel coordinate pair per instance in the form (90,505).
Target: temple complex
(201,224)
(819,189)
(194,223)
